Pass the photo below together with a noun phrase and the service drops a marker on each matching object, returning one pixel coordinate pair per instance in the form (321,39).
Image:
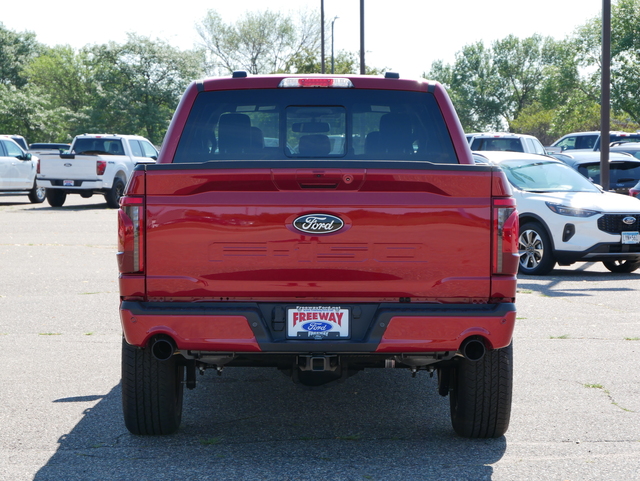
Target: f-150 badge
(318,223)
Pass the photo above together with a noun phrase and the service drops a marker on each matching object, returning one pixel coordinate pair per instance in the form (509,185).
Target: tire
(622,267)
(37,194)
(536,254)
(56,197)
(113,195)
(480,394)
(152,392)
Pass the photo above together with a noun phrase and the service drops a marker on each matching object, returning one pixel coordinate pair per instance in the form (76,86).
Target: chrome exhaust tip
(163,348)
(473,349)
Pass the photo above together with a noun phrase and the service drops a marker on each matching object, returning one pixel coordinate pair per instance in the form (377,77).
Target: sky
(404,36)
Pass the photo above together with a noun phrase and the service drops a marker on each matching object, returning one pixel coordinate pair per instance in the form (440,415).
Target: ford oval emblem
(629,220)
(67,164)
(318,223)
(316,326)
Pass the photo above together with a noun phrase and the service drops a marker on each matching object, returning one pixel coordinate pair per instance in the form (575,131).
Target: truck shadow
(552,285)
(45,207)
(256,424)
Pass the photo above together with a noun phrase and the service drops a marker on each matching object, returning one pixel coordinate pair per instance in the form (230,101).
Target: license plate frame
(68,183)
(630,238)
(318,323)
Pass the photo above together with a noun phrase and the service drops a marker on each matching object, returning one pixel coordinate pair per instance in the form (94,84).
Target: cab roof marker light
(310,82)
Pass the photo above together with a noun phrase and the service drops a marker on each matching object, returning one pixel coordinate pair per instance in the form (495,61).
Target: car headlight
(571,211)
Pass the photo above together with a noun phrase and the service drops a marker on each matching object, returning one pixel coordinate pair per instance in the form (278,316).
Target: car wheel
(37,194)
(480,394)
(55,197)
(622,267)
(152,392)
(113,196)
(534,246)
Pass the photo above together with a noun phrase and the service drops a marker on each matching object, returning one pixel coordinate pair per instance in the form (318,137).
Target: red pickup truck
(320,225)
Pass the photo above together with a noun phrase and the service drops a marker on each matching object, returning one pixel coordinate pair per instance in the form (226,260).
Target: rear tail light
(38,166)
(131,235)
(505,245)
(634,191)
(101,166)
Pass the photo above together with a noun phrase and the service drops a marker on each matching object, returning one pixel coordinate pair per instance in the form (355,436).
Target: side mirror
(26,156)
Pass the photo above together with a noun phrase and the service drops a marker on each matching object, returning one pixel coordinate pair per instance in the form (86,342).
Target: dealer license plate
(68,183)
(631,237)
(318,322)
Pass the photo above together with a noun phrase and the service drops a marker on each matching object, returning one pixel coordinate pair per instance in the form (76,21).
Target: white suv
(18,170)
(564,218)
(503,141)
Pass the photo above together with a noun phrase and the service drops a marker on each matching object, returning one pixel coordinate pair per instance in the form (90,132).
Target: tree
(625,59)
(139,85)
(344,62)
(474,86)
(259,42)
(65,75)
(492,88)
(16,51)
(28,112)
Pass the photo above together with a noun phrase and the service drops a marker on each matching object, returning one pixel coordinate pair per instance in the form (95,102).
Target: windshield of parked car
(619,172)
(498,143)
(98,146)
(546,176)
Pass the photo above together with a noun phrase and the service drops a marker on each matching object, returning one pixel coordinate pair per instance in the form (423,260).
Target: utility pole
(322,35)
(605,95)
(362,69)
(332,22)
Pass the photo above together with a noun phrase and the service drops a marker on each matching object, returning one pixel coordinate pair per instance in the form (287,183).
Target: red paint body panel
(437,334)
(216,238)
(206,333)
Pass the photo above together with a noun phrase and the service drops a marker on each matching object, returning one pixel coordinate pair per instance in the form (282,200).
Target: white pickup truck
(95,164)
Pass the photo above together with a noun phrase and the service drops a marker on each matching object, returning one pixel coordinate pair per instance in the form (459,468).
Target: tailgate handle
(325,179)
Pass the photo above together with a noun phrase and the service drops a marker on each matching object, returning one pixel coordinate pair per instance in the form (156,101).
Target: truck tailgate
(81,167)
(228,234)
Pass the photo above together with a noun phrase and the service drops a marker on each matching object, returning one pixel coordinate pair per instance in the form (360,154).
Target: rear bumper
(260,327)
(600,252)
(78,184)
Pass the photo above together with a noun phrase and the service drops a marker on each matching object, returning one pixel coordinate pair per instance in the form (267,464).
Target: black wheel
(37,194)
(535,248)
(152,392)
(56,197)
(86,194)
(113,196)
(621,267)
(480,394)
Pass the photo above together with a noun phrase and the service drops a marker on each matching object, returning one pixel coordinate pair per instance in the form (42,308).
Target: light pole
(322,35)
(332,22)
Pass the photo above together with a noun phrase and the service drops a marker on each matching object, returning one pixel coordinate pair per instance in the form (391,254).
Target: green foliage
(534,85)
(625,57)
(344,62)
(474,86)
(492,87)
(16,51)
(259,42)
(65,75)
(140,84)
(28,112)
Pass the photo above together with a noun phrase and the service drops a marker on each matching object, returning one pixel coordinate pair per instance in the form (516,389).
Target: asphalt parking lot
(576,405)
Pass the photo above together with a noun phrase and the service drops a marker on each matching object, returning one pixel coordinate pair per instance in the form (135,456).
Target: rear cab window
(282,124)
